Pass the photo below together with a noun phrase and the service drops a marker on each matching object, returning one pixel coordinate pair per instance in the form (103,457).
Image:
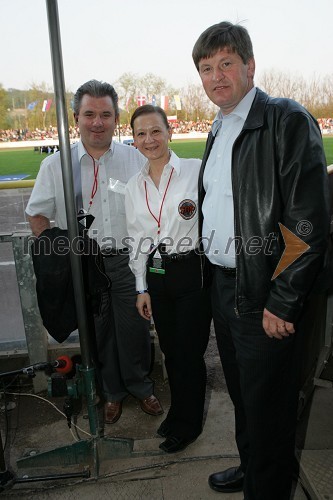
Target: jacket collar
(255,118)
(241,110)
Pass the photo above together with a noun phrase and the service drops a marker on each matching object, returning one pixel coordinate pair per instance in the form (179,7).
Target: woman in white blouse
(171,273)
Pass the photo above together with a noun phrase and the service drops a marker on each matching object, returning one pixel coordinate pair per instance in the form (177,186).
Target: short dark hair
(94,88)
(146,110)
(221,35)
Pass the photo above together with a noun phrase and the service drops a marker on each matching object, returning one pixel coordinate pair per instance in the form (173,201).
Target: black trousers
(182,316)
(262,376)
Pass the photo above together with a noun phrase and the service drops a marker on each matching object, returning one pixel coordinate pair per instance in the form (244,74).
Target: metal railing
(35,333)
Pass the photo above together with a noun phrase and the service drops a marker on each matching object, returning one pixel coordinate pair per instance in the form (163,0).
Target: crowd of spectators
(37,134)
(185,127)
(326,125)
(178,127)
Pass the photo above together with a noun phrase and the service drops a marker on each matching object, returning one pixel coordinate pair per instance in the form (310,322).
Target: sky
(103,39)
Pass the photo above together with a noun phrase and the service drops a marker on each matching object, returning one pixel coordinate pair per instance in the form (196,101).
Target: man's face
(97,122)
(226,79)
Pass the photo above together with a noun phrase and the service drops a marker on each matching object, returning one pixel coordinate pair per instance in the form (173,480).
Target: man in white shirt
(122,336)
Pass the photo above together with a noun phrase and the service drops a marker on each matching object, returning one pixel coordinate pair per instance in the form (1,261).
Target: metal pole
(66,166)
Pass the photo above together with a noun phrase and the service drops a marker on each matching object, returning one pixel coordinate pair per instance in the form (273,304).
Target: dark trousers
(182,316)
(122,337)
(262,378)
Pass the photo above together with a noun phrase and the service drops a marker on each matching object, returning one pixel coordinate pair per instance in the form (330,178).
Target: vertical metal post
(67,173)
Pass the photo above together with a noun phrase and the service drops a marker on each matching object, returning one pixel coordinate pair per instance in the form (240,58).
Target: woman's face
(151,136)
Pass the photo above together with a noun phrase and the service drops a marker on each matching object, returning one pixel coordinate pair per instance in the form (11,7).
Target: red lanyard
(95,183)
(158,220)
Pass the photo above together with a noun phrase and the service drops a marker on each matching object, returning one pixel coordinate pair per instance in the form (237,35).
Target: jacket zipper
(235,202)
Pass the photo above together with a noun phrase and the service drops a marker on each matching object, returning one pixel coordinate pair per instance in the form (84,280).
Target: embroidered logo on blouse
(187,209)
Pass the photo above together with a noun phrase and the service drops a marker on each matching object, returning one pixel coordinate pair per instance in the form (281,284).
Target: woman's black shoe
(173,444)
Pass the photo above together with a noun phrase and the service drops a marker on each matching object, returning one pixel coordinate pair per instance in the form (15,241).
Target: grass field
(26,161)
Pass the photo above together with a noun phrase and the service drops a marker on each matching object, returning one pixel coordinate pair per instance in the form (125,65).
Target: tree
(129,86)
(328,93)
(4,106)
(280,84)
(315,94)
(197,106)
(152,85)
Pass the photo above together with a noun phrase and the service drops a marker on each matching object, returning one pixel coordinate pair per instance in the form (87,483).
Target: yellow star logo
(294,248)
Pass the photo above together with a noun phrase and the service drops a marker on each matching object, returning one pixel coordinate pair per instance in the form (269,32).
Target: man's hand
(276,327)
(143,305)
(38,224)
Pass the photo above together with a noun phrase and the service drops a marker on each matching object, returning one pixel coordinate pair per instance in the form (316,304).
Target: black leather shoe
(173,444)
(164,429)
(227,481)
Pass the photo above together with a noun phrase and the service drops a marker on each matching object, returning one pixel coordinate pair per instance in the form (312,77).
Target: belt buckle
(228,270)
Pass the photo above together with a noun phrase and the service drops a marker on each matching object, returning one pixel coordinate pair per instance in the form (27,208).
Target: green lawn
(328,145)
(26,161)
(193,148)
(20,161)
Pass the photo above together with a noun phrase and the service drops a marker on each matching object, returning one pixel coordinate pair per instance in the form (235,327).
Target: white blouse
(174,204)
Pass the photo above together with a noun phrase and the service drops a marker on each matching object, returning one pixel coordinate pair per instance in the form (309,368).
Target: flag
(177,102)
(46,105)
(32,105)
(128,102)
(141,100)
(153,100)
(164,102)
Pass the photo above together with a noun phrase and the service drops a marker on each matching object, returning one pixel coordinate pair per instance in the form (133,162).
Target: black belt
(112,252)
(229,271)
(176,257)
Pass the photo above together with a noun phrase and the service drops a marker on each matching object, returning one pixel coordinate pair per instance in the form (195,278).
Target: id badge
(156,264)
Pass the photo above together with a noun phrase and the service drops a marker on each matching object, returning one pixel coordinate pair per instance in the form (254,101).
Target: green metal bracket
(82,453)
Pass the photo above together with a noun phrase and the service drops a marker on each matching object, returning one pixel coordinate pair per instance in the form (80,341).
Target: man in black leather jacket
(263,185)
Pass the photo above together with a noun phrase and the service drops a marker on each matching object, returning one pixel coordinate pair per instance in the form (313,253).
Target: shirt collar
(82,150)
(241,110)
(173,162)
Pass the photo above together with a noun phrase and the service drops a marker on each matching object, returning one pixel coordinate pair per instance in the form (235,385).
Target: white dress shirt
(218,206)
(120,163)
(179,215)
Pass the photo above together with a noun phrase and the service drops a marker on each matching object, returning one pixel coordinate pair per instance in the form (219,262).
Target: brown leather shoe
(151,405)
(112,411)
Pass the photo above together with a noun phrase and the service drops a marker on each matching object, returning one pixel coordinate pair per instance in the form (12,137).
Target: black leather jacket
(279,175)
(55,293)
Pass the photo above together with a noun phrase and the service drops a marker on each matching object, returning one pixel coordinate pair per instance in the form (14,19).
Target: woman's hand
(143,305)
